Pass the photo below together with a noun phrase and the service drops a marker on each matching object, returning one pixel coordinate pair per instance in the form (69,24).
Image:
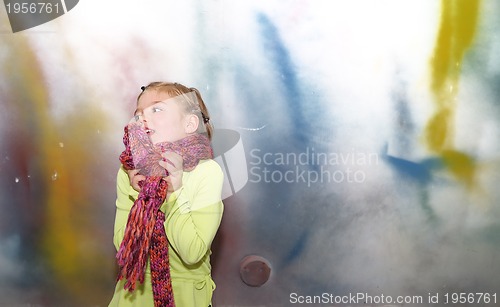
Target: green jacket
(192,216)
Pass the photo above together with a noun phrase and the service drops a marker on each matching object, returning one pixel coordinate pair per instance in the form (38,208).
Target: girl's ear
(192,123)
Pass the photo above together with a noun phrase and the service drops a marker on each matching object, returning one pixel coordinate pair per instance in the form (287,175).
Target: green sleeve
(194,212)
(125,197)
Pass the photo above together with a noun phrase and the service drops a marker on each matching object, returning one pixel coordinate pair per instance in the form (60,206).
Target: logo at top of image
(24,15)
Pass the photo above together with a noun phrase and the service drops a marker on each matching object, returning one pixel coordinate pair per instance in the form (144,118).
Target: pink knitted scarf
(145,233)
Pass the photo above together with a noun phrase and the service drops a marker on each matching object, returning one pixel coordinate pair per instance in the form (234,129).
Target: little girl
(168,205)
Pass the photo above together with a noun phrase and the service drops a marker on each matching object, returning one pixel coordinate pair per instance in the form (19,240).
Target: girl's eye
(156,109)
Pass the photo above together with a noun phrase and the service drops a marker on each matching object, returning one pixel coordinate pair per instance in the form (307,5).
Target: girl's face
(163,118)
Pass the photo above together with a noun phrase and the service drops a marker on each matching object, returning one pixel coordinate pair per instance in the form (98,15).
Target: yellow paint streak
(459,19)
(59,237)
(456,34)
(65,170)
(460,165)
(439,129)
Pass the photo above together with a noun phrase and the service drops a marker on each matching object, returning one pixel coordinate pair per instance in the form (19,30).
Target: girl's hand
(135,178)
(172,162)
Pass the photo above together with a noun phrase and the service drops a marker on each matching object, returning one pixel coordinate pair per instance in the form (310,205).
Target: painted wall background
(371,132)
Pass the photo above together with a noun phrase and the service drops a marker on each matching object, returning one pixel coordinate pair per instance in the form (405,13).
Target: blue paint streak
(297,249)
(409,169)
(420,172)
(284,68)
(404,126)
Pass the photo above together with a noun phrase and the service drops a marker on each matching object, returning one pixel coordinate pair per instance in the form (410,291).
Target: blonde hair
(176,89)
